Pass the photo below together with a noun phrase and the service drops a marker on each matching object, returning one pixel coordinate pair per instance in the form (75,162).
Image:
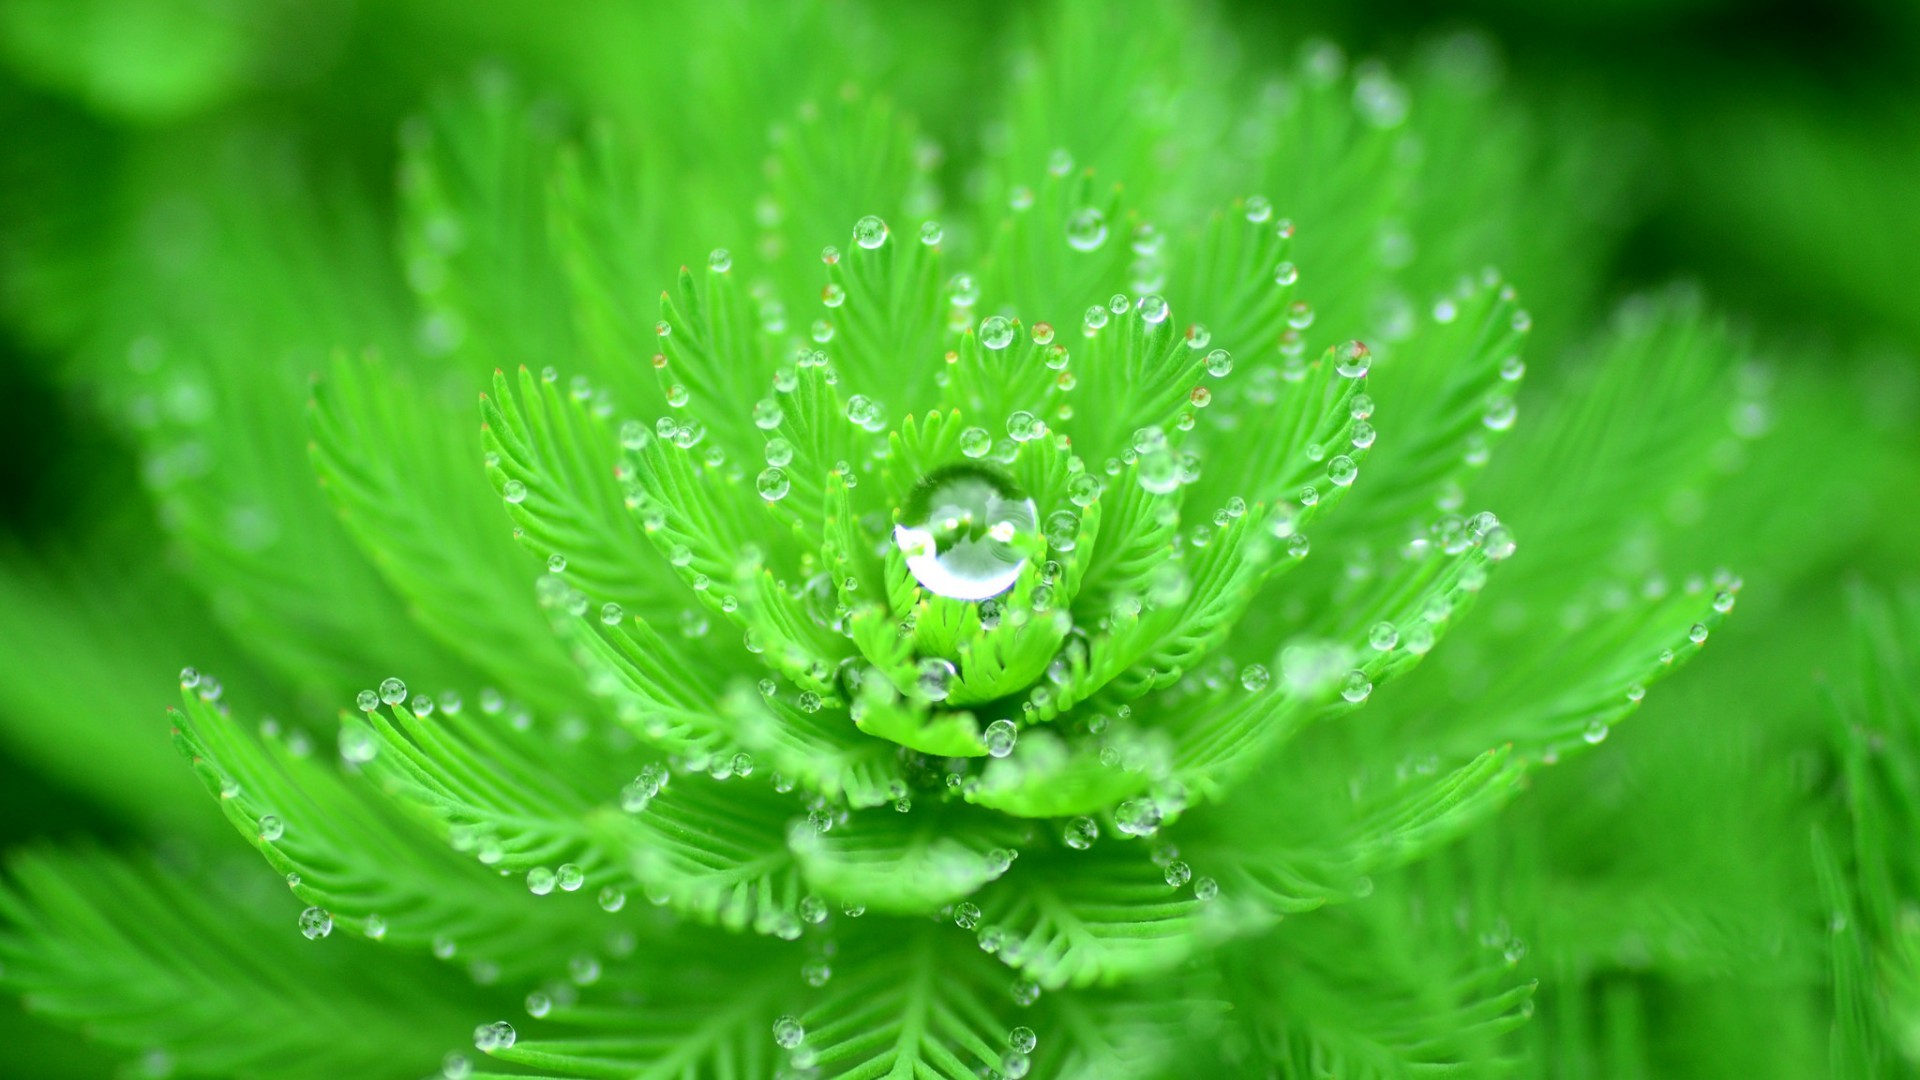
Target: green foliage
(1144,603)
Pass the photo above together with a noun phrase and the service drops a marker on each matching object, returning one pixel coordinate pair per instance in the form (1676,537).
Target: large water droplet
(957,529)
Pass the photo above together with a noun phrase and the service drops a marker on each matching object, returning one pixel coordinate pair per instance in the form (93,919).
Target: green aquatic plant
(1063,629)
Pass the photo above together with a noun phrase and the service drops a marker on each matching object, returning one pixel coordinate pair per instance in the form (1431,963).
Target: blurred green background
(1768,151)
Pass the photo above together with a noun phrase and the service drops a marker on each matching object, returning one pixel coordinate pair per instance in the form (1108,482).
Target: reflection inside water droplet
(957,532)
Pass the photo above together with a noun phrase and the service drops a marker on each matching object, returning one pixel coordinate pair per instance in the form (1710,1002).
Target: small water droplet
(1086,229)
(935,678)
(975,442)
(357,745)
(996,332)
(787,1032)
(1158,471)
(1356,686)
(870,232)
(720,260)
(1352,359)
(1000,737)
(866,413)
(963,290)
(966,915)
(1080,833)
(1062,530)
(498,1035)
(316,923)
(1342,470)
(1384,637)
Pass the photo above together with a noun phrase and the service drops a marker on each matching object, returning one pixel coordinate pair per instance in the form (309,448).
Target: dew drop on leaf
(539,881)
(870,232)
(1384,636)
(1080,833)
(1000,737)
(772,483)
(1356,686)
(1342,470)
(1023,426)
(935,678)
(1086,229)
(996,332)
(957,530)
(1352,359)
(315,923)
